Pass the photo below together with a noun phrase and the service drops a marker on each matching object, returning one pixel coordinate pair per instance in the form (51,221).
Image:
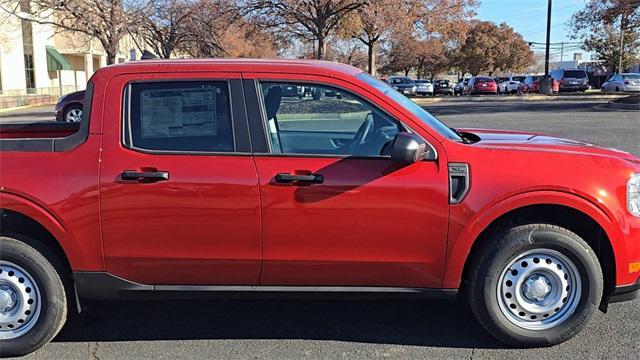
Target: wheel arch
(13,223)
(70,104)
(567,210)
(23,216)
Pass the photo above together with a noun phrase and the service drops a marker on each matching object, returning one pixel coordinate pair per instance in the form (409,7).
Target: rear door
(336,211)
(179,194)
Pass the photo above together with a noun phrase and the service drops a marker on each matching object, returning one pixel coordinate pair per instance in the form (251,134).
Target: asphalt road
(358,329)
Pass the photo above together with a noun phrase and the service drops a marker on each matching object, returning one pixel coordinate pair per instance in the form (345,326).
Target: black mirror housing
(408,148)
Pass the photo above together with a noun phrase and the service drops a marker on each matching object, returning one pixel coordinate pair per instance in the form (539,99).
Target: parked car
(511,84)
(193,177)
(458,88)
(531,84)
(481,85)
(444,87)
(423,87)
(571,79)
(499,80)
(293,91)
(69,107)
(626,82)
(404,85)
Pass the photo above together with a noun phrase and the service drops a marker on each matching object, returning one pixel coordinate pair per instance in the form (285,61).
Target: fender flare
(38,213)
(458,250)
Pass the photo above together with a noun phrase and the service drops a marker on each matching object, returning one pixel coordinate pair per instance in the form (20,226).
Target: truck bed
(38,130)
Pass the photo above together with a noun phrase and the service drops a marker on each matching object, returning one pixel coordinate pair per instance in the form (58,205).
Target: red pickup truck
(203,176)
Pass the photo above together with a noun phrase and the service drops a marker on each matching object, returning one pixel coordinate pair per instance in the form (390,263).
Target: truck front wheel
(32,297)
(535,285)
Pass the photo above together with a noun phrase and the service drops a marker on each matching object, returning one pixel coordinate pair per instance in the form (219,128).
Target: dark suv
(443,87)
(571,79)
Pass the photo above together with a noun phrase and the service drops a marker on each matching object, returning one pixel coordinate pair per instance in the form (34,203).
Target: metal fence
(36,96)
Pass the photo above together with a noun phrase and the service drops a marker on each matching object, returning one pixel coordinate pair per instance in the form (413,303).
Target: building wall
(11,55)
(85,55)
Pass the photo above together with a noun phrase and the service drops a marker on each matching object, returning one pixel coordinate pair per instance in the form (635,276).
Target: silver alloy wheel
(73,115)
(539,289)
(19,301)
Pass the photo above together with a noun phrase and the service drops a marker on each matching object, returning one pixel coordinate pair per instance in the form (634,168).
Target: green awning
(56,61)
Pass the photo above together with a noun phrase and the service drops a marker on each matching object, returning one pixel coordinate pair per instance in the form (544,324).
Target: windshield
(406,103)
(518,78)
(631,77)
(575,74)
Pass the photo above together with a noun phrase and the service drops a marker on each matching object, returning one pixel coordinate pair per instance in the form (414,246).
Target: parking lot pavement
(589,121)
(28,114)
(358,329)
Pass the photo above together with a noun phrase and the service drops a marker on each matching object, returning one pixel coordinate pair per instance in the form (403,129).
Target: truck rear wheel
(32,298)
(535,285)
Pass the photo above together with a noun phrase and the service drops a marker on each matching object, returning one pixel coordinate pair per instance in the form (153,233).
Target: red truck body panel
(220,219)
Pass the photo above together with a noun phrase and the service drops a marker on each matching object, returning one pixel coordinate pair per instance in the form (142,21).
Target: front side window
(180,116)
(321,120)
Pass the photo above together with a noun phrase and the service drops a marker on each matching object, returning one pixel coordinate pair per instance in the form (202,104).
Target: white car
(511,84)
(626,82)
(424,87)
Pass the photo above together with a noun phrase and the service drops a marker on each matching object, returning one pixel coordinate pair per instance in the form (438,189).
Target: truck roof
(234,64)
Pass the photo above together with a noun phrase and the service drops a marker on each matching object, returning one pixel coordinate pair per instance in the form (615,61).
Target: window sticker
(178,113)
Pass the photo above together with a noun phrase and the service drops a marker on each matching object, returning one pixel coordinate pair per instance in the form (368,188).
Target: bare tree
(313,20)
(374,21)
(105,20)
(205,26)
(162,24)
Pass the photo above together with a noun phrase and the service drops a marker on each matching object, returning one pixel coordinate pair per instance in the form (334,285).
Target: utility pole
(561,51)
(545,83)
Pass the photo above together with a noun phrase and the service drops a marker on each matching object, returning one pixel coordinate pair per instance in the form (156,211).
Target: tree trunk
(372,57)
(321,48)
(111,57)
(406,72)
(167,49)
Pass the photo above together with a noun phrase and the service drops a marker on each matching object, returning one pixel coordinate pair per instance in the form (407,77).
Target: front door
(179,195)
(335,210)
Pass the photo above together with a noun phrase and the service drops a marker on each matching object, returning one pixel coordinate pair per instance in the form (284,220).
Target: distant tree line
(382,36)
(610,29)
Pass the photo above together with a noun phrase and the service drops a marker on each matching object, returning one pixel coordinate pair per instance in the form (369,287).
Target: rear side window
(190,116)
(575,74)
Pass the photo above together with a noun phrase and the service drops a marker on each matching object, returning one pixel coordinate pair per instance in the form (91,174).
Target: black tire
(43,268)
(497,253)
(69,109)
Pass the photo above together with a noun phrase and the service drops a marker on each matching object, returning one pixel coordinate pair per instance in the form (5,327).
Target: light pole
(546,84)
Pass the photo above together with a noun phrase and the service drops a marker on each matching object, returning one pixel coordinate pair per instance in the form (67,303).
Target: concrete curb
(535,97)
(6,110)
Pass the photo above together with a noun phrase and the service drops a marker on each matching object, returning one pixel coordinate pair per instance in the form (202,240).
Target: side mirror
(408,148)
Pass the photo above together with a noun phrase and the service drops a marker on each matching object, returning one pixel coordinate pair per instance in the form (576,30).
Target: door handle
(145,176)
(287,178)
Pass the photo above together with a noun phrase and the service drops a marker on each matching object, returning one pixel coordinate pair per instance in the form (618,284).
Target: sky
(529,18)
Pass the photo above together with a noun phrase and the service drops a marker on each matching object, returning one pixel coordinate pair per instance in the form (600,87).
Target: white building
(38,65)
